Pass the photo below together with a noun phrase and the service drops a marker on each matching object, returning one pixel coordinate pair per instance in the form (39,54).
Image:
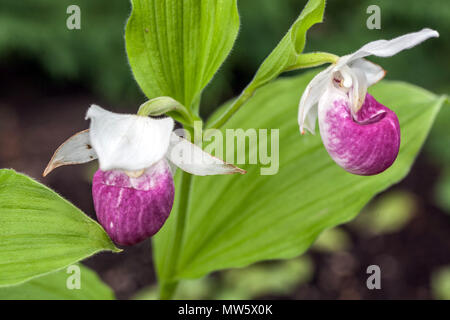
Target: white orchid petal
(310,121)
(372,71)
(332,95)
(307,112)
(128,142)
(388,48)
(353,82)
(358,89)
(191,158)
(346,77)
(172,167)
(75,150)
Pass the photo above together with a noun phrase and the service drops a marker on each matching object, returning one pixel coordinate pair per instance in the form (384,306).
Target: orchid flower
(133,191)
(360,134)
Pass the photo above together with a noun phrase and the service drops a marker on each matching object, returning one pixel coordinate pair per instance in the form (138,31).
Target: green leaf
(40,231)
(233,221)
(54,287)
(287,54)
(175,46)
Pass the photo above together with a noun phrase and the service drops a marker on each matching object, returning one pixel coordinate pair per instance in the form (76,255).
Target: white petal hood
(133,143)
(355,74)
(128,142)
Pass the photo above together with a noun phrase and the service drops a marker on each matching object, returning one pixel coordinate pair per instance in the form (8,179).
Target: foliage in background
(278,278)
(335,239)
(442,190)
(440,283)
(35,32)
(95,55)
(387,214)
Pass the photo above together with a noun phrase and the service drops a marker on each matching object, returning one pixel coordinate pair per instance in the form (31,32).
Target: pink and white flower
(360,134)
(133,191)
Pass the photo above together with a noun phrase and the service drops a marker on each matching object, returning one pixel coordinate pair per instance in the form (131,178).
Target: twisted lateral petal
(128,142)
(388,48)
(366,145)
(75,150)
(191,158)
(355,84)
(307,109)
(133,209)
(372,71)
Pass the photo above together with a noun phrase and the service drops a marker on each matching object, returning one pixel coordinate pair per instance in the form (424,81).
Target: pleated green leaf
(175,46)
(233,221)
(54,286)
(40,231)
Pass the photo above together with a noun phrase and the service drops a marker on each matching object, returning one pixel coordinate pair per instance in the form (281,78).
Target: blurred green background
(35,42)
(95,56)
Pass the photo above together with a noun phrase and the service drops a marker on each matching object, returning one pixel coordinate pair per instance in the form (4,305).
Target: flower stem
(306,60)
(234,107)
(167,288)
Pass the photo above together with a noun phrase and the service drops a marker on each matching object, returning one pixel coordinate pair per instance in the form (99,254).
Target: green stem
(306,60)
(234,107)
(167,289)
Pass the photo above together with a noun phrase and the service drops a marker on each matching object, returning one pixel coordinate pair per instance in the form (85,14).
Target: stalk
(306,60)
(168,288)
